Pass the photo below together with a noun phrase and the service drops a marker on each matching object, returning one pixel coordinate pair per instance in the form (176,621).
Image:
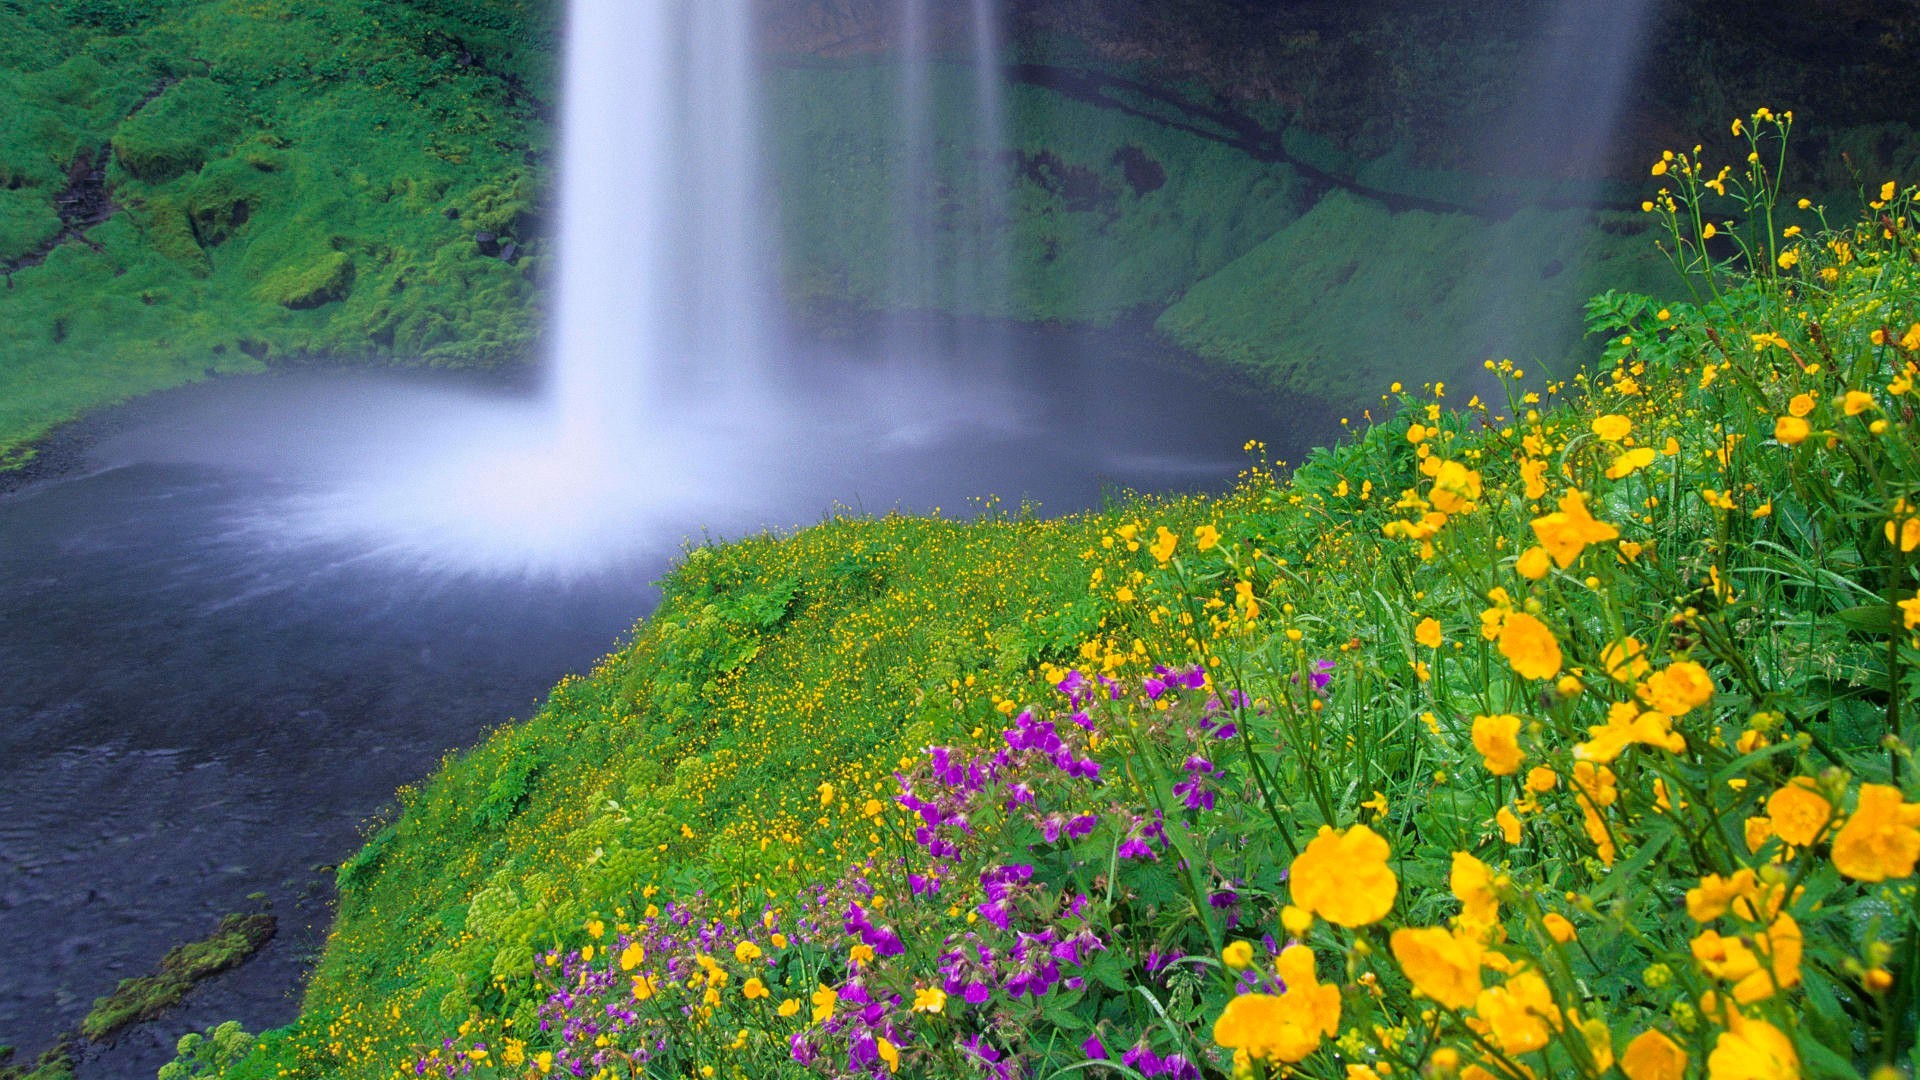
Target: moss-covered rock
(237,938)
(166,225)
(311,282)
(177,132)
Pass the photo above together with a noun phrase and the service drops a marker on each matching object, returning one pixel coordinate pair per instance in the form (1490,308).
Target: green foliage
(184,966)
(177,132)
(208,1056)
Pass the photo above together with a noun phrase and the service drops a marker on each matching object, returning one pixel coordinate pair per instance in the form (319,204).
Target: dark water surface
(206,691)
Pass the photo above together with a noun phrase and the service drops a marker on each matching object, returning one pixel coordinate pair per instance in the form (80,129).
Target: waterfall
(951,189)
(661,246)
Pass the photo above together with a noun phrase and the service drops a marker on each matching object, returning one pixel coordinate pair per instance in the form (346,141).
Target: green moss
(174,134)
(309,283)
(55,1064)
(27,220)
(289,141)
(1352,296)
(237,938)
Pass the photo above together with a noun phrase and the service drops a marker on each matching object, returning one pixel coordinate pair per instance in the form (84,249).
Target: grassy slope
(690,760)
(283,171)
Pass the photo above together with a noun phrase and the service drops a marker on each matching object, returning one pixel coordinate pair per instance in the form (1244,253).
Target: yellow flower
(1456,488)
(1297,920)
(789,1007)
(1789,258)
(1910,340)
(889,1054)
(1428,633)
(1237,955)
(1791,431)
(1752,1050)
(1509,824)
(1206,537)
(644,987)
(1903,529)
(1567,532)
(1558,927)
(1521,1015)
(1541,780)
(1532,473)
(1529,646)
(1801,405)
(1471,882)
(632,956)
(1882,838)
(1613,427)
(824,1000)
(1534,563)
(1287,1027)
(1799,812)
(596,928)
(1678,688)
(746,952)
(860,954)
(1498,740)
(1630,462)
(1627,726)
(929,999)
(1163,544)
(1377,804)
(1757,970)
(1343,876)
(1856,402)
(1653,1056)
(753,989)
(826,792)
(1443,965)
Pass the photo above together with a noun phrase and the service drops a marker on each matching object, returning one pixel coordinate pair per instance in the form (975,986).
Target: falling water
(1558,137)
(661,239)
(989,279)
(915,186)
(952,185)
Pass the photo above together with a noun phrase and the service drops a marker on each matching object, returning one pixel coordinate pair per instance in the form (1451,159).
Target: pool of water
(256,611)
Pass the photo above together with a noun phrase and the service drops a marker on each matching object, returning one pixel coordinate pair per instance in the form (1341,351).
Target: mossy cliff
(210,185)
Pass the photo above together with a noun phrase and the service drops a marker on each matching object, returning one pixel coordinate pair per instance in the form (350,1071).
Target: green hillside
(1503,740)
(248,183)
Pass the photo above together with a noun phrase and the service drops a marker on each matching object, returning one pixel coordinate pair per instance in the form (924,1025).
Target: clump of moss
(237,938)
(55,1064)
(310,284)
(173,135)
